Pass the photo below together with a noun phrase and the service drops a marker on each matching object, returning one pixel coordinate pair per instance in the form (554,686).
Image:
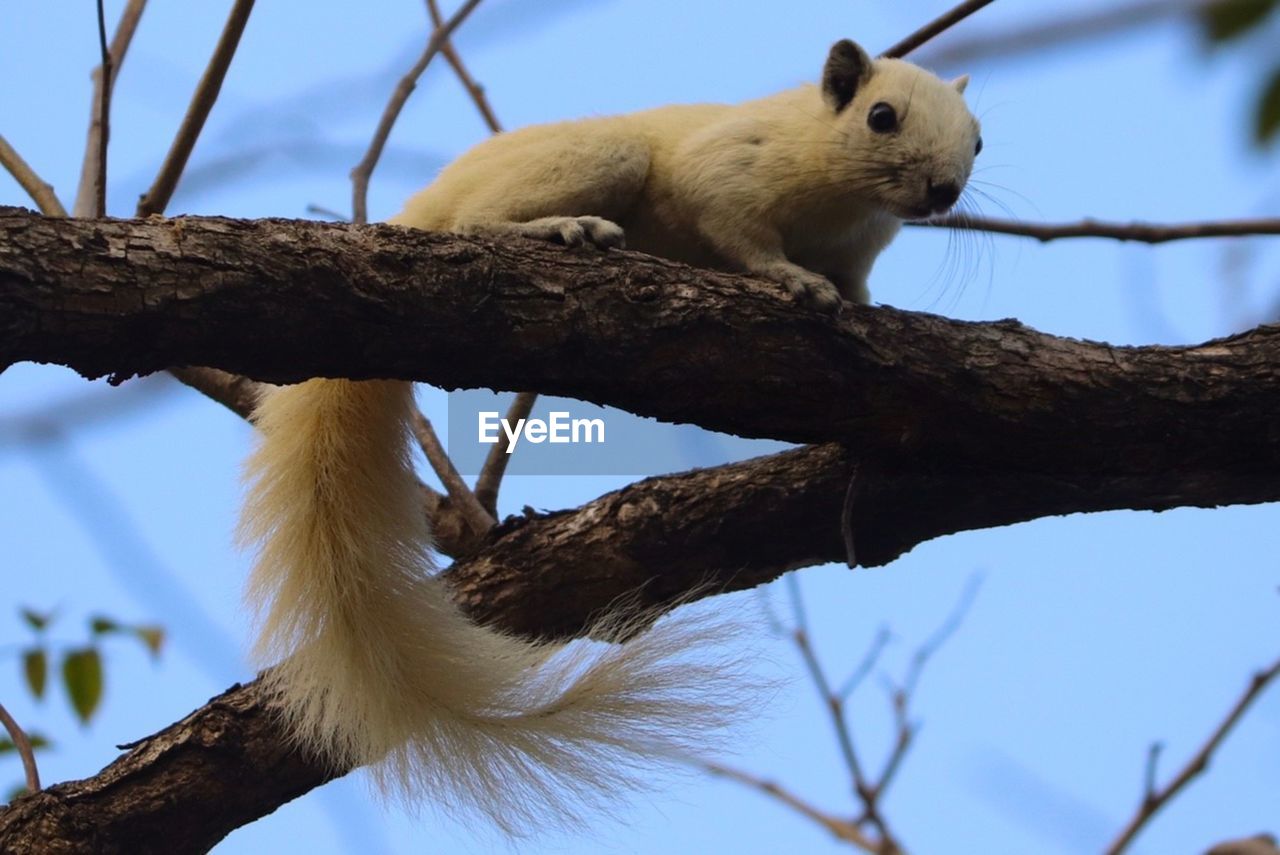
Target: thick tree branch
(542,575)
(285,300)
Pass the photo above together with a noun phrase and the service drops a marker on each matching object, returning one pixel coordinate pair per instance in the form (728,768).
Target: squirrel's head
(909,135)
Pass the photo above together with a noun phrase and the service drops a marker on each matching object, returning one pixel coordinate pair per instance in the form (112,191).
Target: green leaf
(1229,19)
(16,793)
(37,740)
(1267,121)
(36,620)
(100,625)
(82,675)
(152,637)
(35,665)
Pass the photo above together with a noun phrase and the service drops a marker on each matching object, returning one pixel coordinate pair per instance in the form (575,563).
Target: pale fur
(376,665)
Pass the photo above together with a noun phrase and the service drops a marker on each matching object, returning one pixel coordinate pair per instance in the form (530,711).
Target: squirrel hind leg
(571,231)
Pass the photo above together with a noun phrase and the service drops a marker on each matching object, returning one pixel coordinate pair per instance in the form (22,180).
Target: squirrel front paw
(808,287)
(575,231)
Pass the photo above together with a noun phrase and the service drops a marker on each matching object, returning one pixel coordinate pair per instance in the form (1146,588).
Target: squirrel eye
(882,119)
(977,149)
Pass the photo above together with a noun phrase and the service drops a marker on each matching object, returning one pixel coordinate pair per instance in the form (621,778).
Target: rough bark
(284,300)
(948,426)
(182,790)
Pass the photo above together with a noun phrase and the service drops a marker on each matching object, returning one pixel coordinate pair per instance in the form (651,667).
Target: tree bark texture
(925,426)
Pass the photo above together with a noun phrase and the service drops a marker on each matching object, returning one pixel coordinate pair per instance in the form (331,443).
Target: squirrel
(375,665)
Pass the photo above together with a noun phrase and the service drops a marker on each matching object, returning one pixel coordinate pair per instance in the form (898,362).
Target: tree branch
(1155,799)
(841,829)
(489,481)
(1058,30)
(157,198)
(474,89)
(24,748)
(363,170)
(927,398)
(935,27)
(106,73)
(476,516)
(1090,228)
(542,576)
(91,173)
(38,189)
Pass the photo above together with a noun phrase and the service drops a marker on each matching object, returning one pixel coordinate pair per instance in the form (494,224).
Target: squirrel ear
(847,67)
(960,83)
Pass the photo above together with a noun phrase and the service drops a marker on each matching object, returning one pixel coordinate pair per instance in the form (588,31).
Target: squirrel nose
(942,195)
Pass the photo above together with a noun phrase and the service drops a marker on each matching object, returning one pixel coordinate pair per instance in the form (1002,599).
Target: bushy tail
(377,666)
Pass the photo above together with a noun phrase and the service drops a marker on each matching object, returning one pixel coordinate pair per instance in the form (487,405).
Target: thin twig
(1151,775)
(494,467)
(476,516)
(37,188)
(363,170)
(900,697)
(238,394)
(841,829)
(24,747)
(95,146)
(942,634)
(495,463)
(906,734)
(835,708)
(869,659)
(1090,228)
(474,89)
(157,198)
(934,27)
(1058,30)
(1155,799)
(326,212)
(107,70)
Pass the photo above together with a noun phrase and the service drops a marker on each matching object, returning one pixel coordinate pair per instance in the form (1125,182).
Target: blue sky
(1091,636)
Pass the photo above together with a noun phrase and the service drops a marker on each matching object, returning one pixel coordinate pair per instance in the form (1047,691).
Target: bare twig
(1151,775)
(92,178)
(327,212)
(835,707)
(1059,30)
(107,74)
(489,481)
(236,393)
(934,27)
(1089,228)
(474,89)
(840,828)
(40,192)
(25,750)
(900,697)
(942,634)
(495,463)
(869,660)
(363,170)
(475,514)
(1155,799)
(157,198)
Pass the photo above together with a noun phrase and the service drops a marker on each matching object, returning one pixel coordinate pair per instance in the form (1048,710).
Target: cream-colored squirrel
(376,664)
